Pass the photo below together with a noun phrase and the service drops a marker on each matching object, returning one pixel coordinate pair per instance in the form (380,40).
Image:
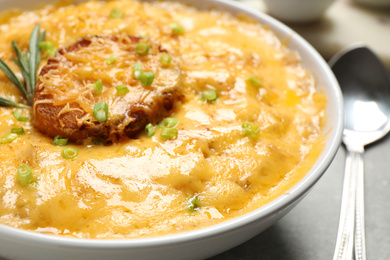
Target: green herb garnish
(60,141)
(8,103)
(98,87)
(28,63)
(122,89)
(193,204)
(255,81)
(176,29)
(8,138)
(165,59)
(24,174)
(250,129)
(98,141)
(142,48)
(69,153)
(100,111)
(210,95)
(137,70)
(18,116)
(146,78)
(17,130)
(169,132)
(150,130)
(116,13)
(111,60)
(48,47)
(168,122)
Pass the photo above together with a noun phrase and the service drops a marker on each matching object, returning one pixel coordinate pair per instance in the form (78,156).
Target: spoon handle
(360,241)
(345,235)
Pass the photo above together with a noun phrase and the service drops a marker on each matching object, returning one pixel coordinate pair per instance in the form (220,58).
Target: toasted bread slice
(65,97)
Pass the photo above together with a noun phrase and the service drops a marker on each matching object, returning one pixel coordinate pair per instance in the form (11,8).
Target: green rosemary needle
(28,63)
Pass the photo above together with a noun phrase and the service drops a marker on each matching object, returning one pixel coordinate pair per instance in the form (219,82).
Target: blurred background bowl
(298,11)
(374,3)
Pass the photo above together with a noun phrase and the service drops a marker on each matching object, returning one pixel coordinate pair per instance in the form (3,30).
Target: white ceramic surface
(202,243)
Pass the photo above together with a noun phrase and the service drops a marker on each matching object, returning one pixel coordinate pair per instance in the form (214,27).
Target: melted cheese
(142,187)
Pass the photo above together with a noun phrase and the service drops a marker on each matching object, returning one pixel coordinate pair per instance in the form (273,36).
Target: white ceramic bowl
(202,243)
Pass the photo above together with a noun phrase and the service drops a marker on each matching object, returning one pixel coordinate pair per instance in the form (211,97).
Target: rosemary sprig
(35,56)
(8,103)
(11,75)
(28,63)
(21,61)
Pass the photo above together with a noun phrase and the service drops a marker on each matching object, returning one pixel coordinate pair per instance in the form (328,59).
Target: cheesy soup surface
(256,136)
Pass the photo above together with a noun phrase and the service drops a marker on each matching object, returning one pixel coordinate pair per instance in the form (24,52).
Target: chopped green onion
(177,29)
(193,204)
(69,153)
(250,129)
(210,95)
(144,36)
(24,174)
(146,78)
(255,81)
(98,87)
(60,141)
(149,130)
(47,46)
(98,141)
(19,117)
(168,122)
(137,70)
(100,115)
(169,132)
(100,111)
(116,13)
(8,138)
(122,89)
(142,48)
(111,60)
(52,52)
(17,130)
(165,59)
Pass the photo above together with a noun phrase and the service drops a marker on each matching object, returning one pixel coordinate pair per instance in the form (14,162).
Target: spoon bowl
(365,84)
(366,89)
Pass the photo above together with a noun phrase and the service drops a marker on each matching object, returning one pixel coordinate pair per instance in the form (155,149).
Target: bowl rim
(266,211)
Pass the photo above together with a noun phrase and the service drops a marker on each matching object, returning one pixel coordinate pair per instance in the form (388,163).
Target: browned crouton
(65,95)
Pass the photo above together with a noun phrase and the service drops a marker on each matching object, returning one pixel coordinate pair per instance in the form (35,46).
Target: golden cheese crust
(64,98)
(149,186)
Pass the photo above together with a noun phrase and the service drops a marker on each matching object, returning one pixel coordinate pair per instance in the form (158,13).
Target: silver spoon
(366,89)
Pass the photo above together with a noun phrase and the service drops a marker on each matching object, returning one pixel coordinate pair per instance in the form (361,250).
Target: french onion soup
(127,119)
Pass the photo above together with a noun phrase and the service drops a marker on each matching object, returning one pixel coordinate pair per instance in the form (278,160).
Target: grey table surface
(309,231)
